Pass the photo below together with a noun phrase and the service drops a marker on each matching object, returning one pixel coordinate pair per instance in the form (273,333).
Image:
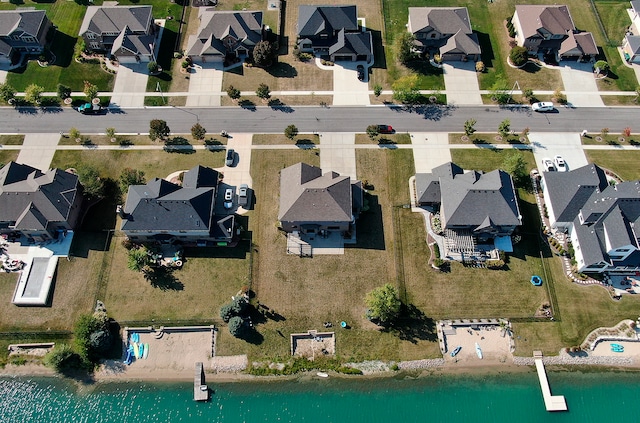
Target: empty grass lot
(623,163)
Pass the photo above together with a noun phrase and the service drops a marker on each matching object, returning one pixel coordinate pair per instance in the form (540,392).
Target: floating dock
(551,402)
(200,389)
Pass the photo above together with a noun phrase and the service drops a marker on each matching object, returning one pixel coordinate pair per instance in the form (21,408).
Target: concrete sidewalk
(39,150)
(341,157)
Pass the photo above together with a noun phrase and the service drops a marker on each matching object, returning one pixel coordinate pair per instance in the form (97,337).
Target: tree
(504,128)
(198,132)
(519,56)
(79,48)
(153,67)
(377,90)
(138,259)
(158,129)
(469,127)
(237,326)
(500,92)
(601,67)
(62,358)
(233,92)
(33,93)
(111,134)
(383,304)
(404,47)
(372,131)
(291,132)
(75,135)
(559,96)
(263,54)
(405,89)
(91,182)
(131,177)
(263,92)
(63,91)
(7,92)
(90,90)
(226,312)
(516,166)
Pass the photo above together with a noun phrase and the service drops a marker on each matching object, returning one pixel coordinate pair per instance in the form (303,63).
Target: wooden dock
(200,388)
(551,402)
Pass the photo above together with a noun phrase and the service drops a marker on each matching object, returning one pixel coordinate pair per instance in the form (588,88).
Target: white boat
(322,374)
(478,351)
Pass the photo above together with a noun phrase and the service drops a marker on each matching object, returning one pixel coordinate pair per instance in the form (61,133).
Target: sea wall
(566,359)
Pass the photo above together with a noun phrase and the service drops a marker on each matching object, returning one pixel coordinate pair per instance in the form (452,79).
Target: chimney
(121,213)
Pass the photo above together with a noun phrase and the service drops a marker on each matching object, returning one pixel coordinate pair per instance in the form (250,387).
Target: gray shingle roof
(461,43)
(634,42)
(28,21)
(36,198)
(446,20)
(352,43)
(428,184)
(113,19)
(314,20)
(308,196)
(246,27)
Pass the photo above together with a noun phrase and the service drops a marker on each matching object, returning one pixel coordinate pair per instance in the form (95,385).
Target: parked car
(561,165)
(90,109)
(228,198)
(243,195)
(547,165)
(231,155)
(543,106)
(385,129)
(360,70)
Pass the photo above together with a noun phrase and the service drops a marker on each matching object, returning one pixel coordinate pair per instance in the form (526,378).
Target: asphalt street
(265,119)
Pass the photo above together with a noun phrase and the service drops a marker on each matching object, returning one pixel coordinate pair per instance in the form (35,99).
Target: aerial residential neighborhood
(295,186)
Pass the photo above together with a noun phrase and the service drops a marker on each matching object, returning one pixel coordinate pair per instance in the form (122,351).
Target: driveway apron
(130,85)
(550,144)
(205,80)
(580,85)
(337,153)
(38,150)
(430,149)
(347,90)
(461,83)
(240,172)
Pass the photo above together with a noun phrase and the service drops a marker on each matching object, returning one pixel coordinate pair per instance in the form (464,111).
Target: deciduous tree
(291,131)
(158,129)
(198,132)
(383,304)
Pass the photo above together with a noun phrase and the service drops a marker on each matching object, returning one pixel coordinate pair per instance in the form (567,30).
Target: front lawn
(623,163)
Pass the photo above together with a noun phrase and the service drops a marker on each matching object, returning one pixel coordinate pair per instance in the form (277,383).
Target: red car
(385,129)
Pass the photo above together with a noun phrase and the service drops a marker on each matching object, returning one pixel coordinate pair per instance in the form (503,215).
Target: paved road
(320,119)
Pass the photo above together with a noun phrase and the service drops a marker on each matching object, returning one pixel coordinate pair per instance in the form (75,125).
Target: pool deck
(551,402)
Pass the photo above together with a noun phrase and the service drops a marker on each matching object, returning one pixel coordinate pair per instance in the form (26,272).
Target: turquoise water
(600,397)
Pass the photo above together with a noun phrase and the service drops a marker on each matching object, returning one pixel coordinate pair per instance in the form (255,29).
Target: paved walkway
(347,90)
(205,85)
(341,156)
(461,82)
(3,76)
(43,147)
(580,84)
(430,149)
(567,145)
(130,86)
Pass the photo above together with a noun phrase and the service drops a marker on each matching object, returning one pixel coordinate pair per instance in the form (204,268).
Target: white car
(544,106)
(561,165)
(228,198)
(547,165)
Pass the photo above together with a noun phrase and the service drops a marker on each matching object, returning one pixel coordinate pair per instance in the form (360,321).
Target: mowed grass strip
(623,163)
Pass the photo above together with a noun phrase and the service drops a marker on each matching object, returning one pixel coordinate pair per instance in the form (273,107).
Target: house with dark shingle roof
(549,29)
(631,42)
(600,218)
(23,33)
(482,204)
(162,211)
(224,33)
(311,202)
(38,205)
(127,33)
(445,31)
(333,31)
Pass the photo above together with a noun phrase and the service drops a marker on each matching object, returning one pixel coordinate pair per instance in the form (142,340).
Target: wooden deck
(200,389)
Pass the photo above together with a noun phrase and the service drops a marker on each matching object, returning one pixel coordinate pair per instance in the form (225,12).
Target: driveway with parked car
(239,171)
(558,147)
(348,90)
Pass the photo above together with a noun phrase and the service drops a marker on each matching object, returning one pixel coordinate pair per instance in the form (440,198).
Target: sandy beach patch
(495,347)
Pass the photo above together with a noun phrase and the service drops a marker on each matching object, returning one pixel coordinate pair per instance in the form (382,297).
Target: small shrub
(480,67)
(626,132)
(377,90)
(519,56)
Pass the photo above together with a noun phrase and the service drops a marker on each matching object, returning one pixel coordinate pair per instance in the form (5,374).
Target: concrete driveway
(130,85)
(205,79)
(239,173)
(580,84)
(550,144)
(338,153)
(347,90)
(38,150)
(430,149)
(461,83)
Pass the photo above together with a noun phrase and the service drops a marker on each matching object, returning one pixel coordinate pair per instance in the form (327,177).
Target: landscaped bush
(519,56)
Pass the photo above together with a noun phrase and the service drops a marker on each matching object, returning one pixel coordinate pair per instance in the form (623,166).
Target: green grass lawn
(8,155)
(11,139)
(384,139)
(487,159)
(623,163)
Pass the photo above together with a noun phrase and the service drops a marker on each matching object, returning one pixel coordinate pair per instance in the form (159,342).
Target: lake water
(592,397)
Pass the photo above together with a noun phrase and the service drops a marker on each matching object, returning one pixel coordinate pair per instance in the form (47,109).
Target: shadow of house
(371,226)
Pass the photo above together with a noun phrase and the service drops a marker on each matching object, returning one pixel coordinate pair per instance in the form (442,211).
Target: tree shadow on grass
(164,279)
(413,326)
(282,70)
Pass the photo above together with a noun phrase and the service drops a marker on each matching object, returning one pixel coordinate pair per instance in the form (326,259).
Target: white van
(545,106)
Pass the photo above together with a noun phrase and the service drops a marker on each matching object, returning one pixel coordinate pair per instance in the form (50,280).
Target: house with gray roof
(312,202)
(125,33)
(333,32)
(224,34)
(163,211)
(549,29)
(445,31)
(38,205)
(23,34)
(600,218)
(474,207)
(631,42)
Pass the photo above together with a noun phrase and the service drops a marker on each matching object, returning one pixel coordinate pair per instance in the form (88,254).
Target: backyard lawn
(623,163)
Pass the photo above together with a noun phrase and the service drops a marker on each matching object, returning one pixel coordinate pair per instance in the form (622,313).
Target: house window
(434,35)
(94,45)
(333,227)
(91,36)
(622,250)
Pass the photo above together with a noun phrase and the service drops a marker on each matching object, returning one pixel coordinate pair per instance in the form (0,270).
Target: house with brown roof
(549,30)
(631,42)
(127,33)
(225,34)
(312,202)
(445,31)
(23,33)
